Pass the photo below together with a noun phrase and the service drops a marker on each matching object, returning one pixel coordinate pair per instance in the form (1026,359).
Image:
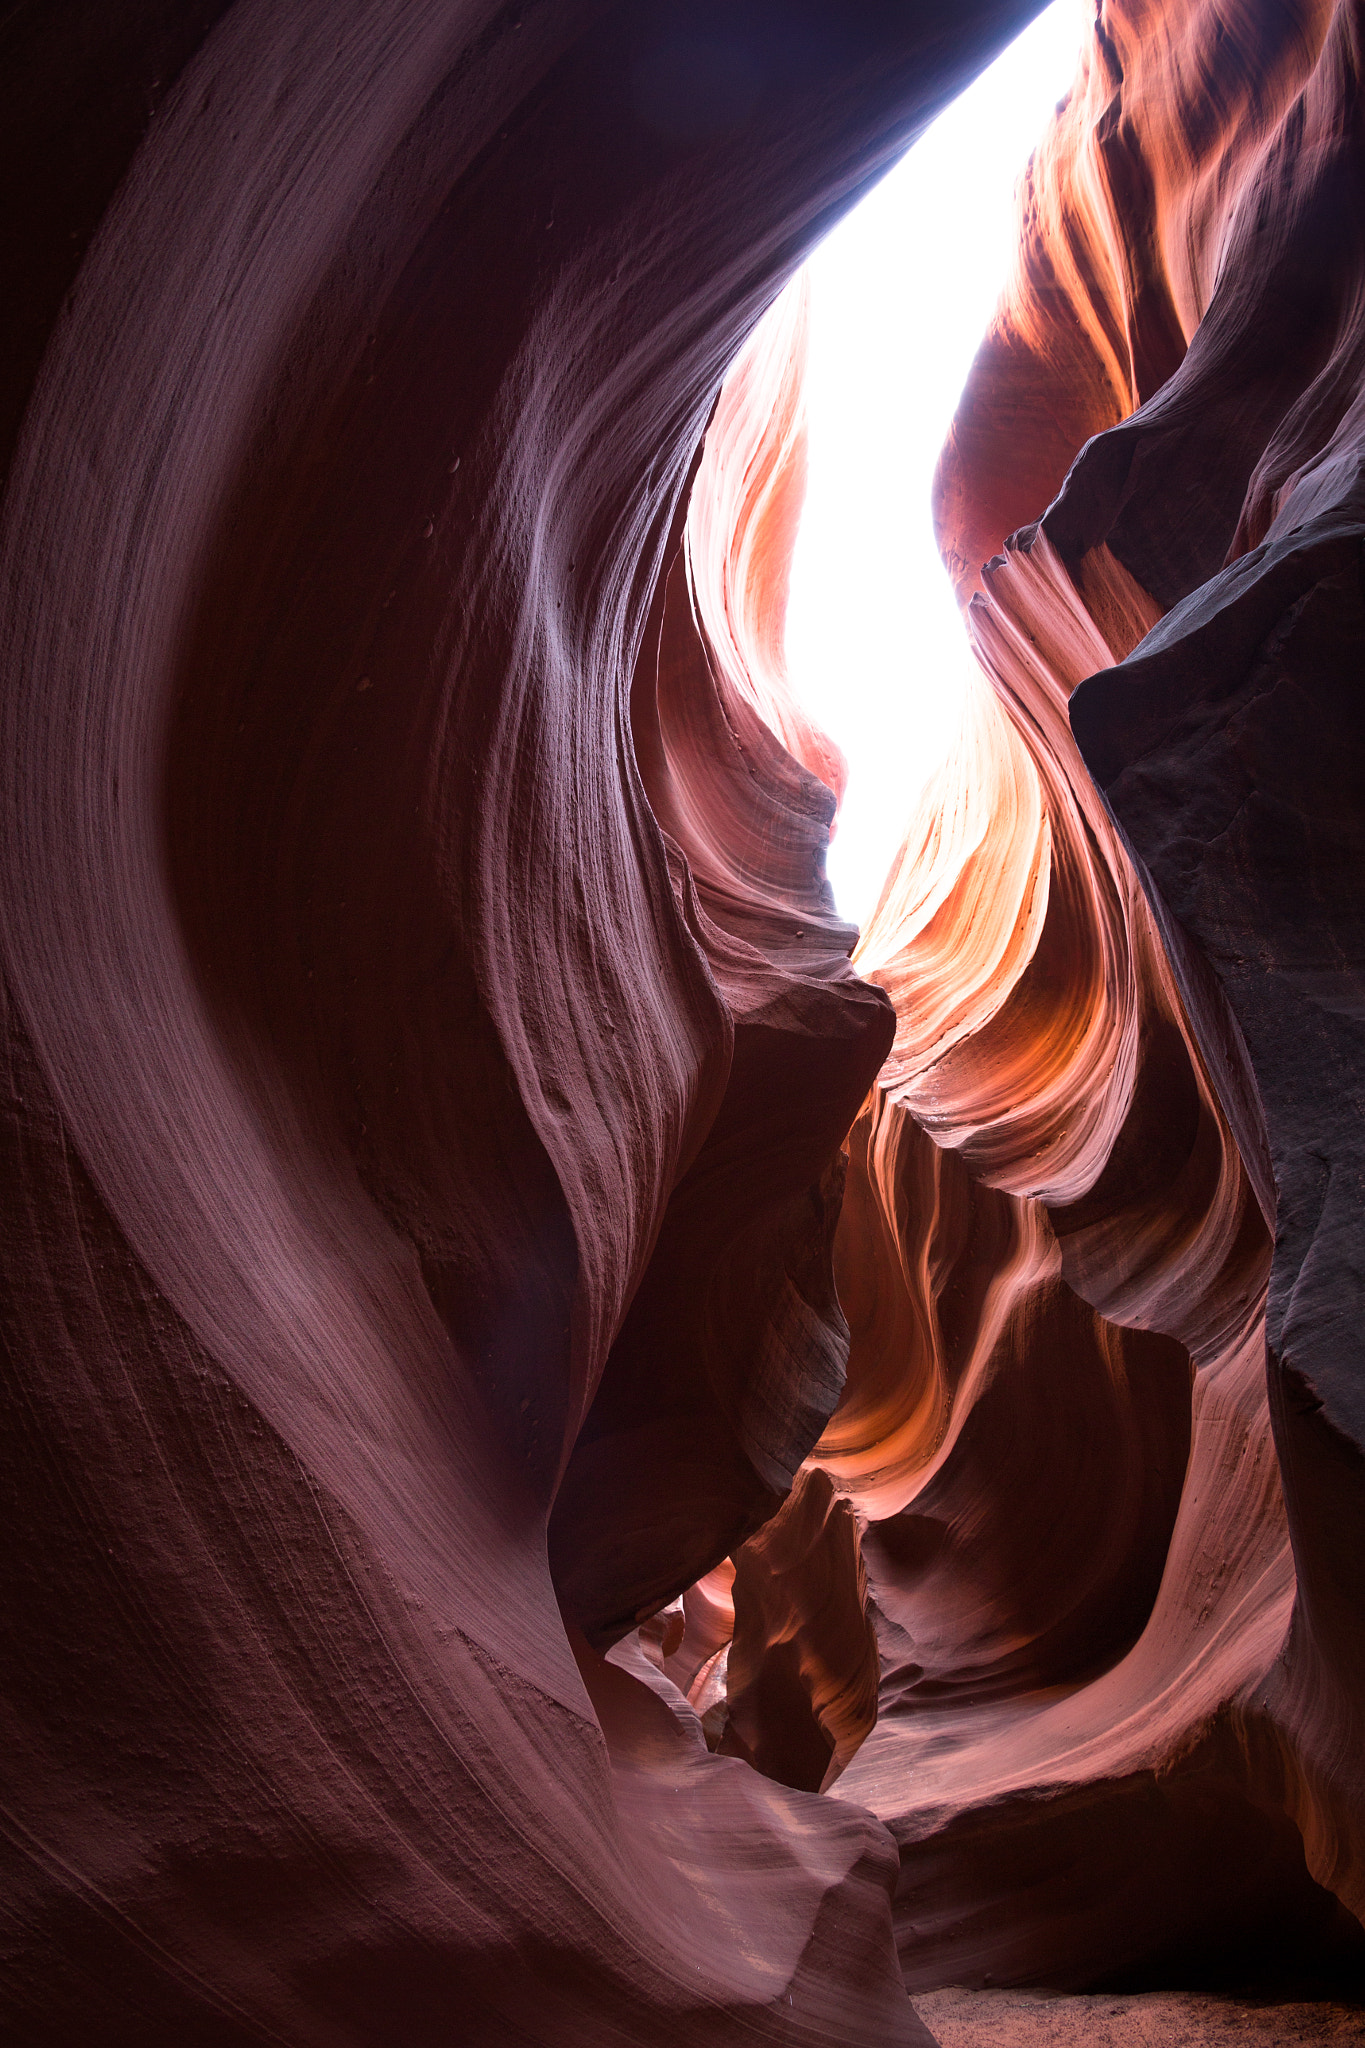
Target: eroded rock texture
(481,1453)
(1121,1590)
(428,1036)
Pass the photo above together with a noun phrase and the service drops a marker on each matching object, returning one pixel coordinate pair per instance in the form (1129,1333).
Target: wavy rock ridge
(1124,1021)
(427,1051)
(465,1409)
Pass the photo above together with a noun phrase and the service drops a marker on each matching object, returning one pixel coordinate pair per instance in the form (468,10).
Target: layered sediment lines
(1120,1100)
(515,1526)
(428,1037)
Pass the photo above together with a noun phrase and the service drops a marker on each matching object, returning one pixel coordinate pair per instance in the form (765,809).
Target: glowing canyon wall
(1118,1571)
(540,1509)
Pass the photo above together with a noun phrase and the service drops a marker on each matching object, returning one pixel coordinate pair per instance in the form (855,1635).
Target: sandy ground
(1148,2019)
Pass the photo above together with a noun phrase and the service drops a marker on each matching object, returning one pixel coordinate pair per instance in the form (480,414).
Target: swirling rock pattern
(803,1669)
(423,1086)
(464,1408)
(1126,1022)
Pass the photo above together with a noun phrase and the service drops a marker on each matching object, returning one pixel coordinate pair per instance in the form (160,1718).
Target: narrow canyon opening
(900,294)
(591,1455)
(1042,1501)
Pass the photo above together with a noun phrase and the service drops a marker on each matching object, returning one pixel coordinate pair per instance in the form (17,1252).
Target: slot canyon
(591,1454)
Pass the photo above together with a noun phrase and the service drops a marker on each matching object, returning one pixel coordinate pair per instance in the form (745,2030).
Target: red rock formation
(1127,1023)
(802,1672)
(429,1041)
(404,1136)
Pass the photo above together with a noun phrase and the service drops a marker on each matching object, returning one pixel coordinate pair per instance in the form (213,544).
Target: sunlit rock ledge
(583,1466)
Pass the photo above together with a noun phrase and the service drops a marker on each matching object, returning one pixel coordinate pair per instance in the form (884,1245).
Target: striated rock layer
(518,1532)
(428,1036)
(1118,1574)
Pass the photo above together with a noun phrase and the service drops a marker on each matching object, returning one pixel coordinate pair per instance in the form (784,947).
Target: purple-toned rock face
(580,1468)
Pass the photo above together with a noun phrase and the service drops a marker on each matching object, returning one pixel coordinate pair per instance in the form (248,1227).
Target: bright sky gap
(901,295)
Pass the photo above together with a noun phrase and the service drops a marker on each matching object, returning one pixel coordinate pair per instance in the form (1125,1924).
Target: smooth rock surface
(498,1311)
(1131,1011)
(406,1132)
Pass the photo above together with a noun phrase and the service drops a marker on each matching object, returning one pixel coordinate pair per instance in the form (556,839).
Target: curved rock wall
(464,1406)
(1124,1019)
(405,1136)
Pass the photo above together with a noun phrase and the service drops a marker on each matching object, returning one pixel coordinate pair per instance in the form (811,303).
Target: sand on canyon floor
(1142,2019)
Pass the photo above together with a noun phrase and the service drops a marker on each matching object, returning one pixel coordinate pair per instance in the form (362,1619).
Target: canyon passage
(592,1454)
